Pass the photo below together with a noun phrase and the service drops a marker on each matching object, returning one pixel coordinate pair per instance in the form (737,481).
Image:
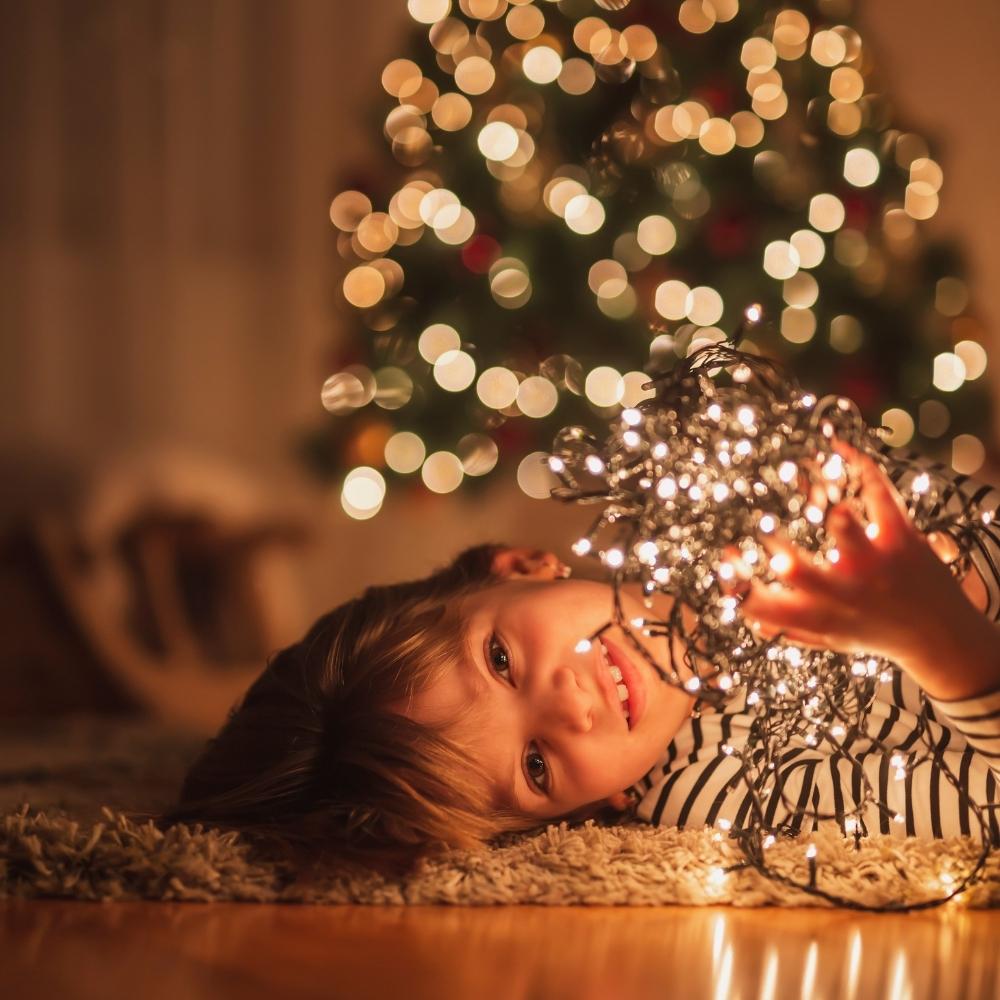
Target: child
(443,712)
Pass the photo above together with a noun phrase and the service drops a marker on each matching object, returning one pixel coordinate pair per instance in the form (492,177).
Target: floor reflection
(527,953)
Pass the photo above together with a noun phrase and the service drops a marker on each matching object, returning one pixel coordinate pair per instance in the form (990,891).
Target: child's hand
(887,594)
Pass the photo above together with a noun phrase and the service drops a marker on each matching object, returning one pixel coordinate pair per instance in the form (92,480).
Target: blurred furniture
(176,577)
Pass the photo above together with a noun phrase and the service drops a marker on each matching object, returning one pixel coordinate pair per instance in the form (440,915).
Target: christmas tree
(577,193)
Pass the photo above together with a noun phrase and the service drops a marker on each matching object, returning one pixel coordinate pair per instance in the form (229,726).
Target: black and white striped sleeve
(978,720)
(983,502)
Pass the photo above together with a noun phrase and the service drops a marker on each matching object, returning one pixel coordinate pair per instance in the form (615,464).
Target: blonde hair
(313,763)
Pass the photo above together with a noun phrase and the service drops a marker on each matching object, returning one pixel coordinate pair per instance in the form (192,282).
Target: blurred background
(170,301)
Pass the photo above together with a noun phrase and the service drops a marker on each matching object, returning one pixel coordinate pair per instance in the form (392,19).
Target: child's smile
(558,723)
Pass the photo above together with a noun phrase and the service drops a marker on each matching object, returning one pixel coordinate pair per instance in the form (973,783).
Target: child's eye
(538,772)
(498,656)
(534,763)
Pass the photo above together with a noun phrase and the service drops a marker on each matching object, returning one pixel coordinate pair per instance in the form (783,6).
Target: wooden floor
(150,951)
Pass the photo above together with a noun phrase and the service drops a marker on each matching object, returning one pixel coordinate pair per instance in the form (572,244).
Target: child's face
(546,721)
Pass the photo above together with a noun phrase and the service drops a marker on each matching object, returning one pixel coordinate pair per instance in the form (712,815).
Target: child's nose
(568,703)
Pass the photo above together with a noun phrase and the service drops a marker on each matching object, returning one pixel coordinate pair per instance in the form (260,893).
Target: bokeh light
(537,396)
(393,388)
(604,386)
(933,418)
(861,167)
(656,234)
(404,452)
(900,425)
(584,214)
(542,64)
(671,299)
(436,339)
(781,259)
(478,454)
(497,388)
(454,370)
(348,209)
(810,247)
(363,492)
(442,472)
(428,11)
(535,477)
(949,372)
(363,286)
(967,454)
(973,357)
(826,213)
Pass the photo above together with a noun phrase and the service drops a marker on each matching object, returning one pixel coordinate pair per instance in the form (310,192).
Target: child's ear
(532,563)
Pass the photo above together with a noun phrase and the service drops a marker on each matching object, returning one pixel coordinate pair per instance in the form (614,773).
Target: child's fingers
(767,631)
(885,506)
(792,565)
(848,535)
(776,610)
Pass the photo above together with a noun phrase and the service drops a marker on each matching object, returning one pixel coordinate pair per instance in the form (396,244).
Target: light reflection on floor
(509,953)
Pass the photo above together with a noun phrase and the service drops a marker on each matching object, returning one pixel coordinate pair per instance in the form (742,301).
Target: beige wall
(168,264)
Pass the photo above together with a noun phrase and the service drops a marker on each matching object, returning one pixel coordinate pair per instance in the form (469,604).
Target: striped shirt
(696,783)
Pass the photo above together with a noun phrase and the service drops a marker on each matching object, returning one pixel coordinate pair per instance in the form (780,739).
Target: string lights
(582,191)
(728,451)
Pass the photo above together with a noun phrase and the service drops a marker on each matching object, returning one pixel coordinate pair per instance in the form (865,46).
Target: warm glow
(542,64)
(703,306)
(656,234)
(478,454)
(717,136)
(861,167)
(404,452)
(826,213)
(497,388)
(810,247)
(584,214)
(949,372)
(364,286)
(442,472)
(973,357)
(900,425)
(363,492)
(454,370)
(498,141)
(798,326)
(451,112)
(671,299)
(348,209)
(436,339)
(534,476)
(846,334)
(967,454)
(604,386)
(428,11)
(781,259)
(537,396)
(474,75)
(577,77)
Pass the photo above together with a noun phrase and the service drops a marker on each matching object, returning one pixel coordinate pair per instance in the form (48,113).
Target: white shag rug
(85,778)
(627,865)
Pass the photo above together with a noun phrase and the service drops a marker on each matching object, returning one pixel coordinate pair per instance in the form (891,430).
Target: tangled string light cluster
(731,449)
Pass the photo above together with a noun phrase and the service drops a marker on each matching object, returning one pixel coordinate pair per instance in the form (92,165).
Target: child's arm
(889,595)
(960,493)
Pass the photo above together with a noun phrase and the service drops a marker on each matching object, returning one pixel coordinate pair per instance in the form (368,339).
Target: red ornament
(513,436)
(858,210)
(479,253)
(718,95)
(861,385)
(728,235)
